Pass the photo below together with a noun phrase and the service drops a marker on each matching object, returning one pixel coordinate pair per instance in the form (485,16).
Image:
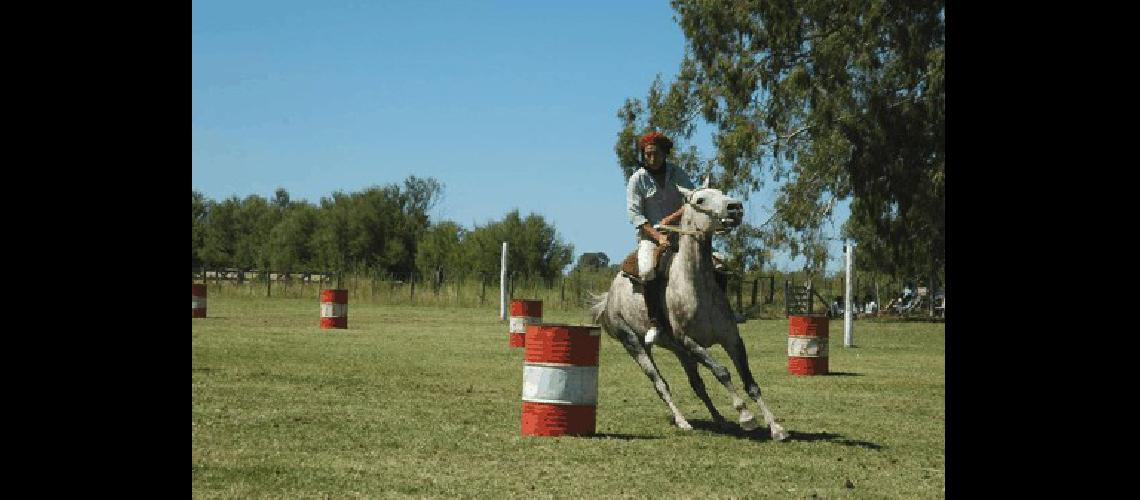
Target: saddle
(630,270)
(629,265)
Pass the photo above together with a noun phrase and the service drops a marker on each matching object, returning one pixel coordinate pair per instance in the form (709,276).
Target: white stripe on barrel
(524,312)
(807,347)
(560,384)
(807,344)
(334,309)
(331,310)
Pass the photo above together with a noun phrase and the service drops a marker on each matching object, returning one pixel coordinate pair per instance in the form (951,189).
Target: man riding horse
(652,199)
(689,303)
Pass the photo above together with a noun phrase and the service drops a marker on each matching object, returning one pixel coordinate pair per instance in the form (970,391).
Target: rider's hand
(662,240)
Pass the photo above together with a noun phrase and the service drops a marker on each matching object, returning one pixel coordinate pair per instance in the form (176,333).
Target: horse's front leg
(747,420)
(698,385)
(736,351)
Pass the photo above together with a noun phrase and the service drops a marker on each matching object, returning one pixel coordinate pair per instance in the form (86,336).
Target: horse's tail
(598,305)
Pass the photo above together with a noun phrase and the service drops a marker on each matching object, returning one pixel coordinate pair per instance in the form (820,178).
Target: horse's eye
(700,201)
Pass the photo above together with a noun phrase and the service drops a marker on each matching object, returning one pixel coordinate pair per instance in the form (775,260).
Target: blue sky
(509,104)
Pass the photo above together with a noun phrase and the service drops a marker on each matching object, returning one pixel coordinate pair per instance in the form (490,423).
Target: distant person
(869,305)
(907,298)
(836,308)
(652,199)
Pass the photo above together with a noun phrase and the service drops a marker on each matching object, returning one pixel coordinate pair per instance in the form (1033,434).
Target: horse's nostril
(736,206)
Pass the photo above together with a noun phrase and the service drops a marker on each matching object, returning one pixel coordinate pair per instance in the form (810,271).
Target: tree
(593,261)
(831,100)
(281,199)
(220,233)
(377,228)
(534,248)
(290,241)
(199,209)
(255,218)
(330,237)
(439,248)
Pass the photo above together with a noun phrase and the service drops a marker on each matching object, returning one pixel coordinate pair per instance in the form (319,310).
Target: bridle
(726,224)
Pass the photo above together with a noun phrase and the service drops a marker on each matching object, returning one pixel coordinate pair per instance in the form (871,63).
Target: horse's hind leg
(737,352)
(637,352)
(747,421)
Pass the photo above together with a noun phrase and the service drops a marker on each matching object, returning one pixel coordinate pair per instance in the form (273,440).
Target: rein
(678,230)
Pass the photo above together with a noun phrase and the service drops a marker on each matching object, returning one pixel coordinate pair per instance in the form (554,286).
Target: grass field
(425,402)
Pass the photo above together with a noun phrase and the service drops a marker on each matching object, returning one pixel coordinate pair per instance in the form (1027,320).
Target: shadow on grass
(842,374)
(764,434)
(831,437)
(624,437)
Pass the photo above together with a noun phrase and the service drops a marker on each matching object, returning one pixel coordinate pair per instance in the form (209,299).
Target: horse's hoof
(749,424)
(683,424)
(778,433)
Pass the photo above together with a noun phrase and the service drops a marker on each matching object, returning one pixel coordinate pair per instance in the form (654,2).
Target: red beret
(655,137)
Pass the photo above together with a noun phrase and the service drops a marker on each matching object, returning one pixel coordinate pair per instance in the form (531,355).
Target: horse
(696,309)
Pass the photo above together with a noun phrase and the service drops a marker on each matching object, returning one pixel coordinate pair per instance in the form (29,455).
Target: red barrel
(523,313)
(197,300)
(334,309)
(560,380)
(807,345)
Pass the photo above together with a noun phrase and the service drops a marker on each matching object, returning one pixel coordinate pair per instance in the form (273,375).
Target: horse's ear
(705,184)
(684,192)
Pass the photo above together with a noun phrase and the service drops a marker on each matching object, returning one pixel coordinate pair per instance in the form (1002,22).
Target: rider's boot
(652,293)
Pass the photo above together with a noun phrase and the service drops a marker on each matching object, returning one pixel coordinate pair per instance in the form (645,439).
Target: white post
(848,324)
(503,285)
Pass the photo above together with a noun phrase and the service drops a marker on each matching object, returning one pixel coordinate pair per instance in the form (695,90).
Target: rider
(652,199)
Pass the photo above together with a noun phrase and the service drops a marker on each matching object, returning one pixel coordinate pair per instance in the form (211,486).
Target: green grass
(425,402)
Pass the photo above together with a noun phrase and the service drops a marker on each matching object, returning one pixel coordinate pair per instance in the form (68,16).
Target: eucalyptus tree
(828,101)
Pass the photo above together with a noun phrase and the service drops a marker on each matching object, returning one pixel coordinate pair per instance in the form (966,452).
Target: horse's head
(710,211)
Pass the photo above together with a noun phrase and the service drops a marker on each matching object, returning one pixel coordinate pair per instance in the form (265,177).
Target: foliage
(440,249)
(290,241)
(381,229)
(593,261)
(533,247)
(198,211)
(831,101)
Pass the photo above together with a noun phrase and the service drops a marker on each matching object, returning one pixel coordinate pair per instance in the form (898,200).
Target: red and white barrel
(198,300)
(807,345)
(334,309)
(560,380)
(523,313)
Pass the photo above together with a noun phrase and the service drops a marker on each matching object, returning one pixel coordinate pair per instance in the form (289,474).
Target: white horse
(696,308)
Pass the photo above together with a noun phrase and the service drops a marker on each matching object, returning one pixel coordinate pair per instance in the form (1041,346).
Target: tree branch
(787,136)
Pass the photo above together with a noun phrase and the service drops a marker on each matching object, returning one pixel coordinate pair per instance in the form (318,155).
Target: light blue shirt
(650,202)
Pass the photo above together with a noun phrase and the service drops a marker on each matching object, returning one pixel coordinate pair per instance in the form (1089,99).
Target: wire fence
(755,295)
